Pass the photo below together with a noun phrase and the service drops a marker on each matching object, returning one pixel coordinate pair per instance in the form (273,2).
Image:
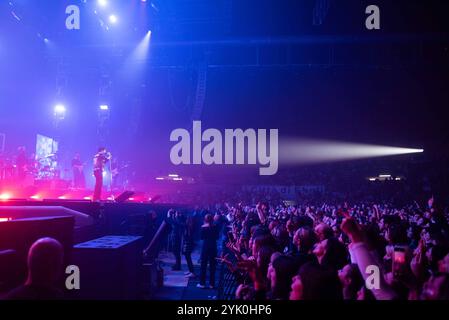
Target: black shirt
(209,235)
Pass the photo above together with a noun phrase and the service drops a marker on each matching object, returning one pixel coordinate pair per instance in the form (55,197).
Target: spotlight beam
(132,67)
(304,151)
(141,51)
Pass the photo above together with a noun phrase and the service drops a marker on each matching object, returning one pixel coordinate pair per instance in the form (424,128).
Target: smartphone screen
(399,257)
(399,261)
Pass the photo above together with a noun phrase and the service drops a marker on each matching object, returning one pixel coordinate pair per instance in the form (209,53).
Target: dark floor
(177,286)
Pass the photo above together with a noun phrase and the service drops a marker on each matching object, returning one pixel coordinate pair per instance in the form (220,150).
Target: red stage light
(5,219)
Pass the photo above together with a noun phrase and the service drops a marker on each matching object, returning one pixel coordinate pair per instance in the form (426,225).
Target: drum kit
(46,168)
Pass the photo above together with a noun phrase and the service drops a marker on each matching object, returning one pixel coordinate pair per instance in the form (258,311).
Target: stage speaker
(26,212)
(20,234)
(124,196)
(110,267)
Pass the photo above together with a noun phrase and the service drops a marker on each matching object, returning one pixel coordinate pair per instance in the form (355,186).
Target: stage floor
(177,286)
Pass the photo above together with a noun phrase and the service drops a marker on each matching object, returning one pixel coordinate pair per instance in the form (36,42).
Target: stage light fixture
(113,19)
(102,3)
(104,107)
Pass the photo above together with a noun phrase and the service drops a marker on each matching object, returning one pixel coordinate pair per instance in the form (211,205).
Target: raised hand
(224,259)
(352,230)
(250,266)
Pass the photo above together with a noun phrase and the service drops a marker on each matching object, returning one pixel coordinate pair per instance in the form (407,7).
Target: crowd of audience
(282,251)
(353,252)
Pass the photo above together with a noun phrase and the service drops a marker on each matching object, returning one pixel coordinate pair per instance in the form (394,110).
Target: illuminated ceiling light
(113,19)
(60,109)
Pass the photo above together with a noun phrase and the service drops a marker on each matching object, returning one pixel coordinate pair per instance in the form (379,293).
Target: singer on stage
(100,159)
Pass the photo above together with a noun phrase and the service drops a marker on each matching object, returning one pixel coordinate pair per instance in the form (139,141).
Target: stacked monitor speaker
(110,268)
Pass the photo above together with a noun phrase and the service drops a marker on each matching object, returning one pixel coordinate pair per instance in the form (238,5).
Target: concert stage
(107,217)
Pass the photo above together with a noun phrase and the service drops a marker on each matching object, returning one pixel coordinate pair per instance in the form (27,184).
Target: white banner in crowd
(285,190)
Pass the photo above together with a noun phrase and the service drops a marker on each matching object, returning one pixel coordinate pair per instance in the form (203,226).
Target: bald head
(45,261)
